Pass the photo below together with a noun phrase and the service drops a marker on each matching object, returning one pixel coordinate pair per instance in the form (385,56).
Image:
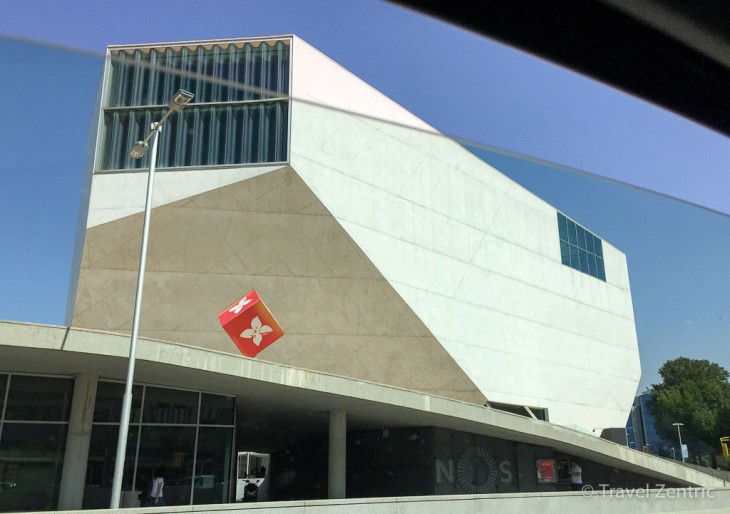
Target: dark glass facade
(240,114)
(34,413)
(580,249)
(188,432)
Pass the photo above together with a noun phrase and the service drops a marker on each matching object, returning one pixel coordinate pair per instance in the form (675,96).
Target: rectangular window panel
(170,406)
(565,253)
(584,261)
(581,232)
(248,124)
(108,406)
(574,257)
(601,270)
(101,461)
(39,398)
(212,466)
(572,235)
(31,459)
(171,447)
(3,383)
(216,409)
(580,249)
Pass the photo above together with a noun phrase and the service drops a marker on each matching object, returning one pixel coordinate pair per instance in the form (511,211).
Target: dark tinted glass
(31,459)
(216,409)
(39,398)
(100,466)
(170,406)
(211,484)
(3,383)
(108,407)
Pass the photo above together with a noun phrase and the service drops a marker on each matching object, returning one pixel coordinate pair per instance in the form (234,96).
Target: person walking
(576,476)
(158,482)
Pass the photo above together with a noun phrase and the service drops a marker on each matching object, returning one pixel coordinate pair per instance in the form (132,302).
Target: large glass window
(165,436)
(34,414)
(240,114)
(580,249)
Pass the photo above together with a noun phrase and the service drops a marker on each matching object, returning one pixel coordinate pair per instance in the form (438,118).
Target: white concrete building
(396,261)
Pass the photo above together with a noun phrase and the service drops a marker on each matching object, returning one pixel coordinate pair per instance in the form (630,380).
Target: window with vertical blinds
(240,114)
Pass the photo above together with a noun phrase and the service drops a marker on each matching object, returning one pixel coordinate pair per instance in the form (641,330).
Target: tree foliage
(697,394)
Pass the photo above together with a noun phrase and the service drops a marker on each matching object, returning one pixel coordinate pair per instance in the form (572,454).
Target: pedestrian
(576,476)
(158,482)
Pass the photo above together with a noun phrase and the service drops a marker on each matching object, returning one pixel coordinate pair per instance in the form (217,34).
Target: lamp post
(180,100)
(679,433)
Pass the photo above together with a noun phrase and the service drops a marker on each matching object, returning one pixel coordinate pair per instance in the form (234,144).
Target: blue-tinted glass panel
(562,227)
(590,244)
(152,76)
(564,253)
(579,248)
(601,270)
(592,267)
(39,398)
(572,237)
(584,261)
(574,257)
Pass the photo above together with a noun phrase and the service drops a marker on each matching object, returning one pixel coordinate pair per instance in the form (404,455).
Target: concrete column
(73,475)
(337,476)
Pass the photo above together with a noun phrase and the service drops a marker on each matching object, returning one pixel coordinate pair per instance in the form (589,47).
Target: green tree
(697,394)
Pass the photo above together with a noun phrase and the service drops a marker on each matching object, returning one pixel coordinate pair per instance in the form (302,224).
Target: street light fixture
(179,101)
(679,432)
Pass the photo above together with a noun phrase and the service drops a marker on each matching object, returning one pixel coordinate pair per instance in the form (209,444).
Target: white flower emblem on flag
(237,308)
(257,331)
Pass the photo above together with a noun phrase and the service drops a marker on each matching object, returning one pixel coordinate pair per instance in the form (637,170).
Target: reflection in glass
(212,466)
(31,459)
(39,398)
(171,447)
(216,409)
(3,383)
(108,407)
(170,406)
(100,467)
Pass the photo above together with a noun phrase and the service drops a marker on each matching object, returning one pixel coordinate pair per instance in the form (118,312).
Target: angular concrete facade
(387,252)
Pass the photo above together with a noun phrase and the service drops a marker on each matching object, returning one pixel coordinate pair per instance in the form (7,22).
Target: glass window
(236,125)
(172,447)
(39,398)
(213,465)
(216,409)
(579,248)
(100,465)
(109,397)
(3,383)
(31,459)
(170,406)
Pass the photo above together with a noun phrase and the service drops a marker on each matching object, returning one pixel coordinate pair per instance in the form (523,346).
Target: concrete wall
(645,501)
(477,259)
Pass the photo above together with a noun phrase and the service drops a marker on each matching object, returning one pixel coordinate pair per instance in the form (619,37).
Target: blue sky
(462,84)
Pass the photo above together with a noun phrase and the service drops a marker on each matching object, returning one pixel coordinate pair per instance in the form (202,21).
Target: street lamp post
(679,433)
(180,100)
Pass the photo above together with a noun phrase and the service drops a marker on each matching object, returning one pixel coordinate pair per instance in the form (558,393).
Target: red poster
(250,324)
(546,471)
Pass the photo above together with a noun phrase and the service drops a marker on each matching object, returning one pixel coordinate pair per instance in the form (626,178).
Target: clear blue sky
(462,84)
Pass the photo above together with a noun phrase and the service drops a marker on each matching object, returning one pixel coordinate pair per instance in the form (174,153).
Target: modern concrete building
(445,329)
